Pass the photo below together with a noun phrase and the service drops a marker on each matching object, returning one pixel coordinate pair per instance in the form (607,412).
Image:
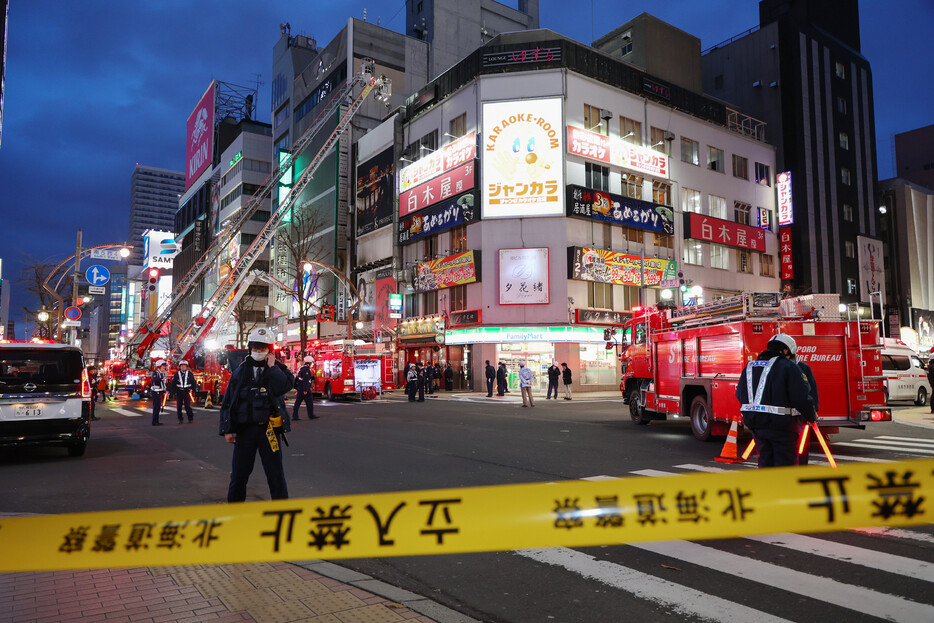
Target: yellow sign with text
(475,519)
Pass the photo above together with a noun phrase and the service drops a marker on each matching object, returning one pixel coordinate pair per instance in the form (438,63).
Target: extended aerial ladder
(149,332)
(224,298)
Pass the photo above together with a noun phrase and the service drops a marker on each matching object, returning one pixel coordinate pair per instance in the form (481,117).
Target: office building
(914,156)
(154,195)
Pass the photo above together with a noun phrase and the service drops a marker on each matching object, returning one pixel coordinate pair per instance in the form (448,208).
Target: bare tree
(245,314)
(32,278)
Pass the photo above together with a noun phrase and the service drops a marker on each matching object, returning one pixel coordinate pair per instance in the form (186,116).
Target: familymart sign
(500,335)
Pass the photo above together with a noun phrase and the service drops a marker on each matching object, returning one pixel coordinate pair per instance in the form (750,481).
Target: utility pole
(74,286)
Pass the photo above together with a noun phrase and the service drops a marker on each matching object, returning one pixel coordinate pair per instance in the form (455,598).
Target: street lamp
(43,316)
(124,252)
(667,294)
(307,267)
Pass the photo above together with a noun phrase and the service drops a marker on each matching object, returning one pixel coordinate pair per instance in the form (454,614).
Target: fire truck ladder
(222,298)
(763,305)
(147,334)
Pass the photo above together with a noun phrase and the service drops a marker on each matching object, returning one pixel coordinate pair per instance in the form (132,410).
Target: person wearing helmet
(769,391)
(303,390)
(157,391)
(253,417)
(184,383)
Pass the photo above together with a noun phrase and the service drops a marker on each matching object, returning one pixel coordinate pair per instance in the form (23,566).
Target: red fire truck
(344,368)
(685,362)
(215,373)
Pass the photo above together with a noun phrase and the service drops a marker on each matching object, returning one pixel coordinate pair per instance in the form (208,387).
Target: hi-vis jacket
(770,389)
(158,382)
(183,380)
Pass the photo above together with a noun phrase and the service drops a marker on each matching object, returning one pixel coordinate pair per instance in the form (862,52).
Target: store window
(657,140)
(632,234)
(598,366)
(599,295)
(593,122)
(740,167)
(458,126)
(741,212)
(715,161)
(694,252)
(719,256)
(663,241)
(459,239)
(536,355)
(763,174)
(690,151)
(744,261)
(458,296)
(766,265)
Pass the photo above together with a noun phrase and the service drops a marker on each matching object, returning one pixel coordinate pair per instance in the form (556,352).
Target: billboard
(923,323)
(438,189)
(871,268)
(159,249)
(375,182)
(785,247)
(524,277)
(438,218)
(453,270)
(444,159)
(724,232)
(523,158)
(614,150)
(603,266)
(786,215)
(199,138)
(384,287)
(609,208)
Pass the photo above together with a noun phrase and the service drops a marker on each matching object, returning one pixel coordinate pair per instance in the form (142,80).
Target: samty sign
(199,143)
(523,165)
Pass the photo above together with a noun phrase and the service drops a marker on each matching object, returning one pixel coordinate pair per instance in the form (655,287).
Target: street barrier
(574,513)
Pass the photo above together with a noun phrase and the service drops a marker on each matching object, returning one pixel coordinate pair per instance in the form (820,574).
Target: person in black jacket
(501,379)
(448,378)
(157,391)
(424,376)
(490,373)
(253,417)
(183,381)
(768,391)
(554,373)
(303,390)
(566,378)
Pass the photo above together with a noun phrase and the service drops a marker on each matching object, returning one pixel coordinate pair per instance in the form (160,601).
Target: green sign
(236,158)
(502,335)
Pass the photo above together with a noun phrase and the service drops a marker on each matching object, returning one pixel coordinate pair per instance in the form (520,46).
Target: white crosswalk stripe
(871,445)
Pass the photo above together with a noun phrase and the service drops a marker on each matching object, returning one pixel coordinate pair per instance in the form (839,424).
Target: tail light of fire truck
(876,415)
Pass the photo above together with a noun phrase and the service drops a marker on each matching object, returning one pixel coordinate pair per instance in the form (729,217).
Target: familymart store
(594,368)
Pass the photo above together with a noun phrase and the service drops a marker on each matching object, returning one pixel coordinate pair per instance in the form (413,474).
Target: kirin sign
(199,144)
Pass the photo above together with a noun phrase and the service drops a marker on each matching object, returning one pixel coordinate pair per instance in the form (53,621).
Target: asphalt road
(394,445)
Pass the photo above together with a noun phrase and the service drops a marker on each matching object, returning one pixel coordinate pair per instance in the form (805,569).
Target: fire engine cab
(685,362)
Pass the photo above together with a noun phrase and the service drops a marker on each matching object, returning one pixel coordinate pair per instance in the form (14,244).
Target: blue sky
(95,87)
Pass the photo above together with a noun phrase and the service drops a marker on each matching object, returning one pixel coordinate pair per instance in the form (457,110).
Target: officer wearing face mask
(254,419)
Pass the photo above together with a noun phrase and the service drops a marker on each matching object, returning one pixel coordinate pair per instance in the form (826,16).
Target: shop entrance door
(537,356)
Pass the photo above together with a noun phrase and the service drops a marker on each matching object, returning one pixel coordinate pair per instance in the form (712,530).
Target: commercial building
(154,195)
(914,156)
(6,323)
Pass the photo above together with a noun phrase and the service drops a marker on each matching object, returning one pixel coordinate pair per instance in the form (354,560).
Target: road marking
(844,457)
(879,446)
(601,477)
(907,440)
(125,412)
(890,563)
(685,601)
(652,472)
(897,533)
(702,468)
(852,597)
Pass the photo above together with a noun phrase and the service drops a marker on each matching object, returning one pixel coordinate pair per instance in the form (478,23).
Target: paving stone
(377,613)
(280,613)
(335,602)
(253,598)
(301,590)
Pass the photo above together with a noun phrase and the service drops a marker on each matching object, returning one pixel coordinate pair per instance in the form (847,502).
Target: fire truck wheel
(922,397)
(328,394)
(636,412)
(701,422)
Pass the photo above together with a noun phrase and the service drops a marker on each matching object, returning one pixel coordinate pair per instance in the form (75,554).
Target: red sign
(784,241)
(199,144)
(451,155)
(616,151)
(786,213)
(448,271)
(438,189)
(72,313)
(728,233)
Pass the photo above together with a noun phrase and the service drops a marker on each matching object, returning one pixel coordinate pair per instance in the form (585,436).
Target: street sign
(72,313)
(97,290)
(97,275)
(71,323)
(105,254)
(395,314)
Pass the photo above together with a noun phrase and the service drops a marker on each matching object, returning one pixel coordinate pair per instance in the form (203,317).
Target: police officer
(768,391)
(184,383)
(157,391)
(253,417)
(303,390)
(424,375)
(411,381)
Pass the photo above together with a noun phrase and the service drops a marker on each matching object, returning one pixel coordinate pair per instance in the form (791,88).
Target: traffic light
(153,285)
(682,282)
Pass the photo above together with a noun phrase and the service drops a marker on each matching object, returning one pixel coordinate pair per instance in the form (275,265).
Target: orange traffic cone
(728,453)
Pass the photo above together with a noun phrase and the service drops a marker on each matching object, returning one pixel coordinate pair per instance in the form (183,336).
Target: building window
(459,239)
(766,265)
(763,175)
(431,303)
(844,139)
(849,248)
(625,43)
(632,186)
(717,206)
(664,242)
(851,286)
(458,126)
(740,167)
(741,212)
(847,212)
(743,261)
(690,200)
(694,252)
(630,130)
(715,160)
(431,248)
(458,296)
(841,105)
(661,193)
(593,122)
(657,140)
(840,70)
(411,305)
(596,176)
(599,295)
(719,256)
(690,151)
(632,234)
(845,176)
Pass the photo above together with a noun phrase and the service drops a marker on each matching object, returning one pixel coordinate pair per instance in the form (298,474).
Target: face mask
(258,356)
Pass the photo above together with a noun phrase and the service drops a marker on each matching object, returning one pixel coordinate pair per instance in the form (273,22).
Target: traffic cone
(728,454)
(207,401)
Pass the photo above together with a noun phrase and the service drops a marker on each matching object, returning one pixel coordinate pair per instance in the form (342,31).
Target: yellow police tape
(475,519)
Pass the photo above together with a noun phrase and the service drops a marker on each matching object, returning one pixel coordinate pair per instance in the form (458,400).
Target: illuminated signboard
(375,181)
(453,270)
(785,246)
(437,189)
(236,158)
(523,158)
(785,208)
(529,56)
(604,266)
(616,151)
(523,276)
(438,218)
(159,249)
(871,267)
(765,218)
(434,164)
(502,335)
(728,233)
(603,206)
(199,146)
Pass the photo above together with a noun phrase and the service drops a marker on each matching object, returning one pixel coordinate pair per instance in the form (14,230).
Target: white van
(905,378)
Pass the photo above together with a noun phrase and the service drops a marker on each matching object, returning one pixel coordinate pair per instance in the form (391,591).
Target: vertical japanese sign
(199,144)
(524,276)
(784,241)
(523,158)
(871,268)
(785,207)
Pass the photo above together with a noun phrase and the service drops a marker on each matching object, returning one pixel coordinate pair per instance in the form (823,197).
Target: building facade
(154,195)
(914,156)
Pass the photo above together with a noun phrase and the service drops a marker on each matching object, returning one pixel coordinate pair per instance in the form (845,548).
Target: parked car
(905,376)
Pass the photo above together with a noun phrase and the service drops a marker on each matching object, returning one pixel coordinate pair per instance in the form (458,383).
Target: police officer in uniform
(769,391)
(184,383)
(303,390)
(411,381)
(253,417)
(157,391)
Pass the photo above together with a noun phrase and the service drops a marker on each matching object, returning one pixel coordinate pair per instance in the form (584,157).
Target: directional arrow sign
(97,275)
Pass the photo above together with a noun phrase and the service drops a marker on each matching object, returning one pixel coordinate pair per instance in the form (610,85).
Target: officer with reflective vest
(157,391)
(253,417)
(303,390)
(773,394)
(184,382)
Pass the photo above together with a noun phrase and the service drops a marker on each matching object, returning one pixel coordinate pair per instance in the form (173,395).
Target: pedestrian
(501,379)
(157,391)
(490,377)
(102,386)
(554,373)
(424,374)
(438,373)
(768,390)
(92,381)
(566,379)
(411,381)
(526,376)
(802,424)
(184,383)
(303,391)
(253,417)
(428,375)
(448,378)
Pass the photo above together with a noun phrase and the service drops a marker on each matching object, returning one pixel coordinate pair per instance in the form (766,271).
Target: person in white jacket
(526,376)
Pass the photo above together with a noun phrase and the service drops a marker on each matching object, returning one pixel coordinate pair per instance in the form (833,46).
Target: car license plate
(25,411)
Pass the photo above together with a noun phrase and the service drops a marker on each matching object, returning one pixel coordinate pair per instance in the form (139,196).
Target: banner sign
(199,144)
(617,152)
(453,270)
(375,180)
(420,327)
(441,217)
(438,189)
(710,229)
(871,268)
(434,164)
(601,316)
(385,287)
(524,277)
(609,208)
(783,189)
(784,241)
(604,266)
(464,318)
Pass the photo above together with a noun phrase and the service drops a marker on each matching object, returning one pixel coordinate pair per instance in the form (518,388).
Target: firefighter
(157,391)
(769,390)
(184,383)
(303,390)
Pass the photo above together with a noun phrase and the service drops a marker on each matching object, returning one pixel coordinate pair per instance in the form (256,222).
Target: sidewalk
(512,396)
(914,416)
